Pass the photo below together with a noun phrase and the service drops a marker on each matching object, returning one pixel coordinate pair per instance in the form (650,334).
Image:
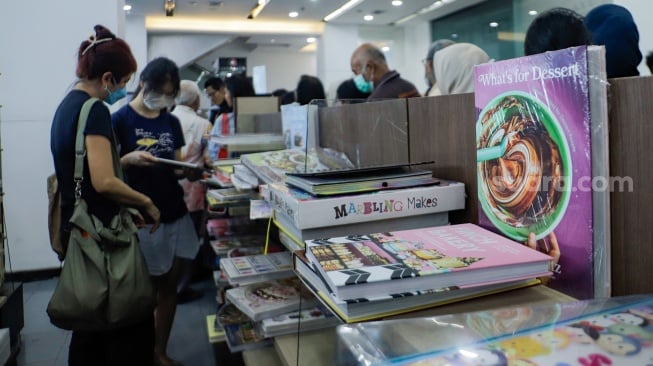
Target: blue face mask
(115,95)
(363,85)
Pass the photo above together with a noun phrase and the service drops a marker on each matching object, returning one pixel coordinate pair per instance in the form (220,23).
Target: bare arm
(105,182)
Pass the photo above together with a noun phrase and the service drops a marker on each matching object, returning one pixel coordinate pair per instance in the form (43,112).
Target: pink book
(421,259)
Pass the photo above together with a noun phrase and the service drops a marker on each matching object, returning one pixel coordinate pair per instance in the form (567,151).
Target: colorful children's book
(308,211)
(535,140)
(381,306)
(613,331)
(421,259)
(257,268)
(298,321)
(265,299)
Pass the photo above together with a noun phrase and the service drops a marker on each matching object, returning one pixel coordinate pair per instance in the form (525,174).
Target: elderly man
(196,130)
(372,74)
(429,75)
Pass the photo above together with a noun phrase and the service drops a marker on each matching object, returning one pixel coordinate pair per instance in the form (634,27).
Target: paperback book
(298,321)
(243,336)
(214,330)
(421,259)
(381,306)
(270,298)
(308,211)
(541,120)
(257,268)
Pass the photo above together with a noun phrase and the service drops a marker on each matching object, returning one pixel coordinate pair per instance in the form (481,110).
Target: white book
(306,211)
(257,268)
(284,224)
(317,317)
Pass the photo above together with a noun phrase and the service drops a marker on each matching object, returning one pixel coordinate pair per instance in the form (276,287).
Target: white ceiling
(277,10)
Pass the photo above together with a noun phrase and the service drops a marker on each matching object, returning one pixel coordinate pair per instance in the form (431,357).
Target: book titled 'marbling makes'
(534,159)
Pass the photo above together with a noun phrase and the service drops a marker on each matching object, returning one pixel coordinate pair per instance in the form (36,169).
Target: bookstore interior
(379,232)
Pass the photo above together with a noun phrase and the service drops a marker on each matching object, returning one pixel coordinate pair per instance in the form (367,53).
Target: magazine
(257,268)
(265,299)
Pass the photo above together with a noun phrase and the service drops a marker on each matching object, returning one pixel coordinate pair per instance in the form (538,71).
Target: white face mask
(155,101)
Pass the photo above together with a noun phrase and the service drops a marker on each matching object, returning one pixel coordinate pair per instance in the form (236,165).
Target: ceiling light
(454,35)
(385,48)
(169,7)
(494,24)
(256,10)
(397,2)
(368,18)
(532,12)
(338,12)
(293,14)
(273,40)
(127,7)
(310,40)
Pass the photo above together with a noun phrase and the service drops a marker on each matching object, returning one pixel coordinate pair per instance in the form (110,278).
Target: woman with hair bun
(104,65)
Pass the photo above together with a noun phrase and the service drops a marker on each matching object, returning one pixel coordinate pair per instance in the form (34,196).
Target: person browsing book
(215,90)
(145,125)
(104,66)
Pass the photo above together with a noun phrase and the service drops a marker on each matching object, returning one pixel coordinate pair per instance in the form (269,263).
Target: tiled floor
(44,344)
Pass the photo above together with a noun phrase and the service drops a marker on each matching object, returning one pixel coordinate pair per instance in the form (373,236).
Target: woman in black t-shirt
(105,64)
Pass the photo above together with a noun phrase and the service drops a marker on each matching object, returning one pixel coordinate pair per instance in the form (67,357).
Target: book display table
(318,348)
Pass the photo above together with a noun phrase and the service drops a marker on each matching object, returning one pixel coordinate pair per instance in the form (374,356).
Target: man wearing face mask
(373,75)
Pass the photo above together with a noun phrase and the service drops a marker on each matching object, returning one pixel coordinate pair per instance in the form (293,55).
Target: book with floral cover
(421,259)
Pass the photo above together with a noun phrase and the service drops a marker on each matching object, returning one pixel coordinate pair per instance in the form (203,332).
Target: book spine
(324,212)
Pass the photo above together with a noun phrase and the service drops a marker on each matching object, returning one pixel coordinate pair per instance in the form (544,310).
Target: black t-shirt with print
(161,136)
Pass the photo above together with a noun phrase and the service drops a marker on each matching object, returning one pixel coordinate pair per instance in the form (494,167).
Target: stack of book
(302,216)
(271,297)
(363,277)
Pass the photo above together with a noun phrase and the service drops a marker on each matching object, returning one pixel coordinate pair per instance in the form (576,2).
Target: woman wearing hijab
(613,26)
(453,67)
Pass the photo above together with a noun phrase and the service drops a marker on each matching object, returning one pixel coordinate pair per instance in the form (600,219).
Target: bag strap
(80,148)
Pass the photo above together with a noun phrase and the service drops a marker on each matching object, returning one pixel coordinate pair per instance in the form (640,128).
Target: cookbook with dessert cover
(535,141)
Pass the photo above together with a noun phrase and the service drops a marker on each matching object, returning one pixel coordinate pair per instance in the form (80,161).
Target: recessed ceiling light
(126,7)
(273,40)
(310,40)
(368,17)
(397,2)
(385,48)
(532,12)
(494,24)
(293,14)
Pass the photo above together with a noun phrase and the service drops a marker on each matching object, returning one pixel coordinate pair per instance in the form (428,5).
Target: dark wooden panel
(442,130)
(370,134)
(631,135)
